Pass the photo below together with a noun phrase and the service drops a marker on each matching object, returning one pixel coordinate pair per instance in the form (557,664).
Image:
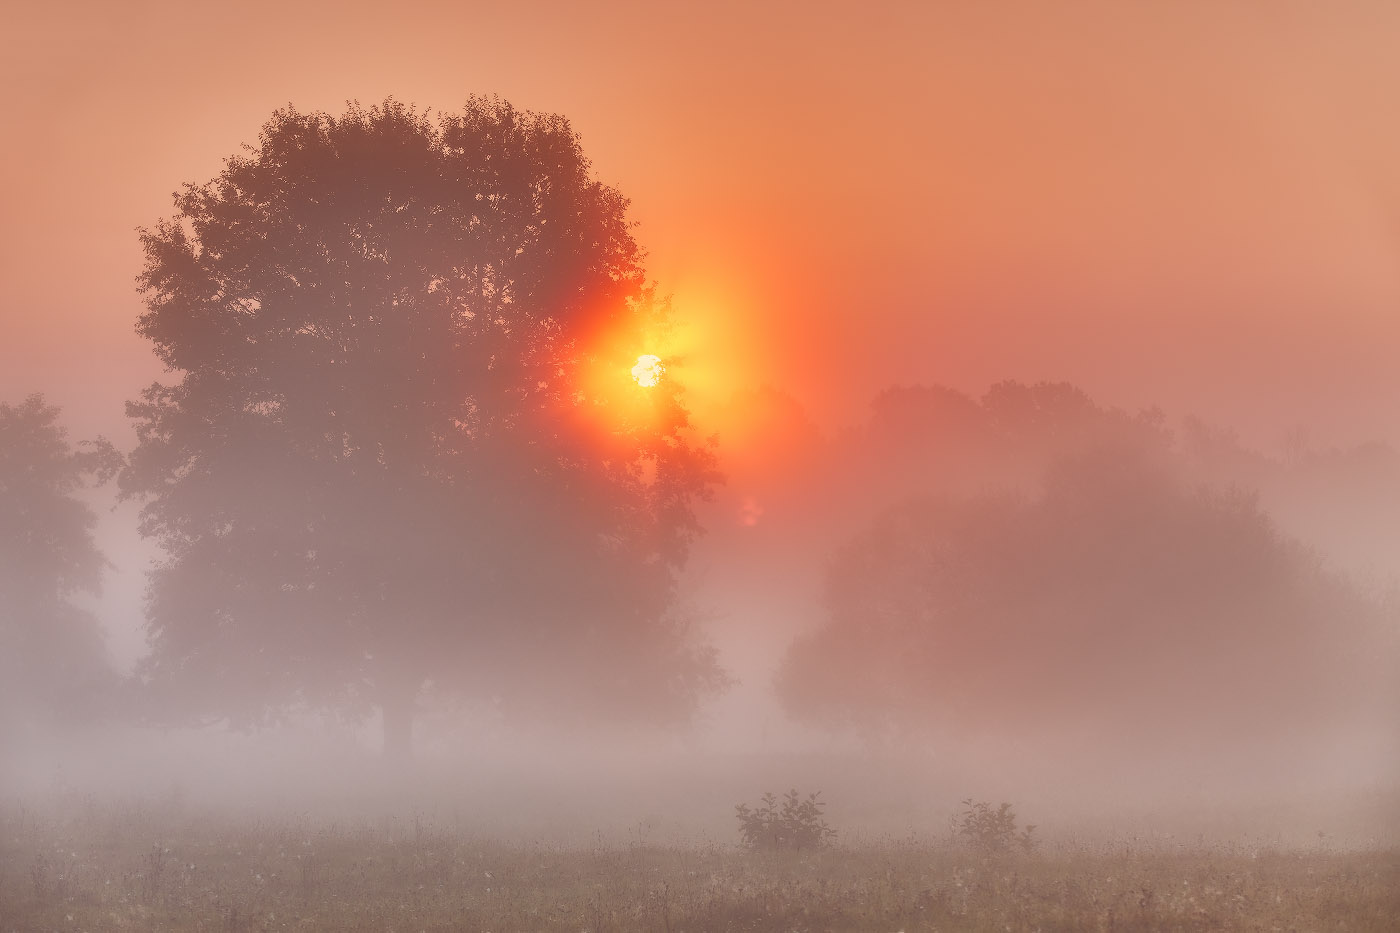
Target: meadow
(162,866)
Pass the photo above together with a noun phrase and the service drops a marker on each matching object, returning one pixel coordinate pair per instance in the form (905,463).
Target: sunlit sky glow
(1186,205)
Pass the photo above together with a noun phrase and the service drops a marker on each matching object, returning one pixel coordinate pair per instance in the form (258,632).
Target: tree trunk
(398,702)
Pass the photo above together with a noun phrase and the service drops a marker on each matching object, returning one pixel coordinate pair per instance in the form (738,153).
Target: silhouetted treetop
(47,549)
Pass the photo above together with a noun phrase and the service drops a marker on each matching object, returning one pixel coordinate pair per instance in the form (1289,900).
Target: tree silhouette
(404,446)
(53,663)
(1119,602)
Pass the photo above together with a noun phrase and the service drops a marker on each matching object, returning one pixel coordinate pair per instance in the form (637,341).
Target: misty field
(149,867)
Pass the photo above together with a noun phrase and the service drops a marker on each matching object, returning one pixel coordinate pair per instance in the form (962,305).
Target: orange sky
(1191,204)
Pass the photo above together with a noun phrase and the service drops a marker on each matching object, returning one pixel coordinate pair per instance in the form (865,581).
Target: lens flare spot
(648,370)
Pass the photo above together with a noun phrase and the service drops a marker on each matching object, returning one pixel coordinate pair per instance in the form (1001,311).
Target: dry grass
(99,868)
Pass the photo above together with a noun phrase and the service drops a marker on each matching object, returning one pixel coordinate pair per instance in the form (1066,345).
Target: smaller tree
(797,824)
(1122,609)
(53,663)
(993,832)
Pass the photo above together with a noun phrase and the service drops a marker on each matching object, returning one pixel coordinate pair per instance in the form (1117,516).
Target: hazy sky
(1191,204)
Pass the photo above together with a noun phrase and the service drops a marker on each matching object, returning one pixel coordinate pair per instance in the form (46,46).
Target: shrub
(993,832)
(795,824)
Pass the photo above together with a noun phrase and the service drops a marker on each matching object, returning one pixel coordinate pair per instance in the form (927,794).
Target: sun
(648,370)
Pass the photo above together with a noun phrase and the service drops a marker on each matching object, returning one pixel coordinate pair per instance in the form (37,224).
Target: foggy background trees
(1032,567)
(402,447)
(54,668)
(1119,602)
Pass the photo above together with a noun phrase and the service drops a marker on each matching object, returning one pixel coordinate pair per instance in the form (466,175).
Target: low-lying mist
(1125,629)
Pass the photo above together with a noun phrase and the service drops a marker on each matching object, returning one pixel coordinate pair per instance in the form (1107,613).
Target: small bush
(795,824)
(993,832)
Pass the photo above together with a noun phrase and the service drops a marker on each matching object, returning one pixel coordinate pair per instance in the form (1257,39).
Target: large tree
(53,661)
(403,446)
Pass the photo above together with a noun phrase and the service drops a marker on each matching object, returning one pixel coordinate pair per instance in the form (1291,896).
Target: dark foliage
(797,823)
(993,831)
(402,447)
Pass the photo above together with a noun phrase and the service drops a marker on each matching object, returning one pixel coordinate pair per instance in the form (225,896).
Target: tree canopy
(404,446)
(53,661)
(1119,602)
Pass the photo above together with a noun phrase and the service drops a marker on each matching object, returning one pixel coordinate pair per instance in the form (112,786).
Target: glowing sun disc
(648,370)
